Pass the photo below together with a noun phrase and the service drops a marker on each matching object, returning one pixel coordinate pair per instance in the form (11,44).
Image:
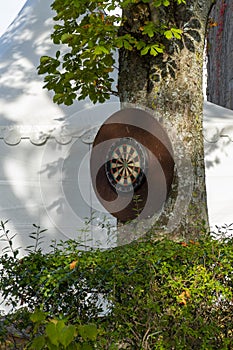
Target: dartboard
(126,164)
(132,157)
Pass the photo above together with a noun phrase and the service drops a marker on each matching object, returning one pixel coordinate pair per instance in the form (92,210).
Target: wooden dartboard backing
(132,165)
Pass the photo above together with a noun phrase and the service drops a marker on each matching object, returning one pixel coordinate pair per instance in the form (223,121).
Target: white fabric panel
(43,145)
(50,186)
(218,137)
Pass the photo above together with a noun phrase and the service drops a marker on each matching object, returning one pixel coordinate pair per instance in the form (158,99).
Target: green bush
(56,334)
(146,295)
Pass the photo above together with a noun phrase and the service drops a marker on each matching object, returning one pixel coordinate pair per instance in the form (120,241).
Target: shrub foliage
(146,295)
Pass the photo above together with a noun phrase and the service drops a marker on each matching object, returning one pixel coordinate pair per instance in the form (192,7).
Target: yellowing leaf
(73,264)
(213,24)
(181,299)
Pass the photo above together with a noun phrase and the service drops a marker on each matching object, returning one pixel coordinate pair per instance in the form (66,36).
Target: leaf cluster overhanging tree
(91,32)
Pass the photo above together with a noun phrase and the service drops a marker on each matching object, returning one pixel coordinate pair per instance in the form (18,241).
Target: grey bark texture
(220,54)
(171,85)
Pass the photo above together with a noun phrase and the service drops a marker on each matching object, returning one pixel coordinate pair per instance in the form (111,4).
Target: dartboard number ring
(126,164)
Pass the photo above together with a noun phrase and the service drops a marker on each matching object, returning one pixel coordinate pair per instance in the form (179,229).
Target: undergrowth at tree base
(146,295)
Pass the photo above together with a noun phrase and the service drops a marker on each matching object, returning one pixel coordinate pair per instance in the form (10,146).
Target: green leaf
(60,325)
(177,32)
(37,343)
(38,316)
(85,346)
(91,331)
(67,335)
(88,332)
(149,29)
(153,52)
(140,45)
(157,3)
(51,332)
(168,34)
(127,45)
(173,33)
(119,42)
(44,59)
(150,33)
(66,38)
(51,346)
(99,50)
(145,50)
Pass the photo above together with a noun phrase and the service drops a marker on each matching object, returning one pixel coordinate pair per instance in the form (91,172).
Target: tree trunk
(220,54)
(171,85)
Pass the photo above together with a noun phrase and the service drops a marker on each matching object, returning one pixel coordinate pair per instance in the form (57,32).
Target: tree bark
(171,85)
(220,54)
